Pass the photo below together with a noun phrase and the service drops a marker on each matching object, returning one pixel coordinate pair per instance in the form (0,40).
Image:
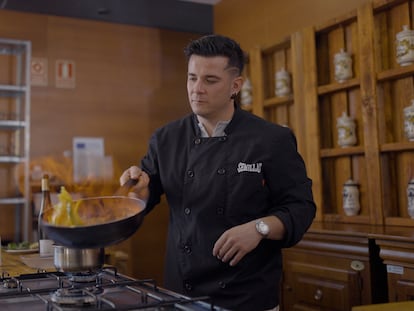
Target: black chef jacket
(212,184)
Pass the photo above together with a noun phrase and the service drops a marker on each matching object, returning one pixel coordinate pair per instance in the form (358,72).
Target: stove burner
(84,277)
(10,283)
(76,296)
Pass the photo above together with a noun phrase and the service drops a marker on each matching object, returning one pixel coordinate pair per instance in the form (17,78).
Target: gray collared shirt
(218,130)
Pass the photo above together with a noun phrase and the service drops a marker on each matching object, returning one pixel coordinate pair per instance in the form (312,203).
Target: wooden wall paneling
(369,112)
(322,67)
(306,106)
(129,81)
(257,80)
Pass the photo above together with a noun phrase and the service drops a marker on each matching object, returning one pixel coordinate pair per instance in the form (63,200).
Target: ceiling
(179,15)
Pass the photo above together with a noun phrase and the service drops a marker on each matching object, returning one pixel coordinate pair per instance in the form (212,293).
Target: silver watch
(262,227)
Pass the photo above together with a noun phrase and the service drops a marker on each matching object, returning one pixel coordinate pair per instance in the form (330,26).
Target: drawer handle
(318,295)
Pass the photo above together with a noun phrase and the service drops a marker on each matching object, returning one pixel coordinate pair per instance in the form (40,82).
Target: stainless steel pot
(77,259)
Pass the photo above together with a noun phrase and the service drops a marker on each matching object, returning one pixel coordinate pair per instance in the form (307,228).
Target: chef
(236,187)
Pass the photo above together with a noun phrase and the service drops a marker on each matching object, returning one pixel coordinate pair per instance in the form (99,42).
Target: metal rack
(15,58)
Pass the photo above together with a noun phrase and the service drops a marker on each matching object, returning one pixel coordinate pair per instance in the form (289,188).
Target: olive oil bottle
(45,244)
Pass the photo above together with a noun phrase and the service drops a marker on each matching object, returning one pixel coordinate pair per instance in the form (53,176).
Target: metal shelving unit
(15,58)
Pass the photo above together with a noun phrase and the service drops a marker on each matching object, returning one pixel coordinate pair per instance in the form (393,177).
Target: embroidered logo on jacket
(254,167)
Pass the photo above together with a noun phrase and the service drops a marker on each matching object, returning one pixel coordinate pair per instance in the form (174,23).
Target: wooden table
(392,306)
(13,264)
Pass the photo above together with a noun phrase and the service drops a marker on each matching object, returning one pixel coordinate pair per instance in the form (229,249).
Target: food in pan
(88,212)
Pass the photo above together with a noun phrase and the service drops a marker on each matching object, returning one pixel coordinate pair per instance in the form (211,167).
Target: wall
(266,22)
(129,81)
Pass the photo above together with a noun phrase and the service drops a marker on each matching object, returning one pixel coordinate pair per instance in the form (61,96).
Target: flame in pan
(90,211)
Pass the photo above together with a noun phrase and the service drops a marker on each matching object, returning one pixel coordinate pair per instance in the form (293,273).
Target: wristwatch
(262,227)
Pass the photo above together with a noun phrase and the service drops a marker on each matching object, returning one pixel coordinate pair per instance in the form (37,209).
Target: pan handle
(124,189)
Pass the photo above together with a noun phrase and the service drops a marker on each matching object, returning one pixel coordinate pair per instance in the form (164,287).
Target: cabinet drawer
(329,294)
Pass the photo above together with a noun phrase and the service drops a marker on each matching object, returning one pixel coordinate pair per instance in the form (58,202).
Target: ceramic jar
(350,196)
(282,87)
(343,66)
(410,198)
(409,121)
(404,45)
(246,93)
(346,130)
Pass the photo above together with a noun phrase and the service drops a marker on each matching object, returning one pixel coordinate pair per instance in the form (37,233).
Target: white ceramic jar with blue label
(282,86)
(346,130)
(404,46)
(410,198)
(343,66)
(409,121)
(350,198)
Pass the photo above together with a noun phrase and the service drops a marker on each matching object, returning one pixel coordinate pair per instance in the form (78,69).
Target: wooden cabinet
(396,249)
(333,268)
(317,273)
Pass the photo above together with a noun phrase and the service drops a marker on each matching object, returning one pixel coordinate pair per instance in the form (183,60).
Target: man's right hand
(140,190)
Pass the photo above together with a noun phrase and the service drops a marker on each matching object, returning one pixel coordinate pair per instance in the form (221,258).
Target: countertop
(392,306)
(14,264)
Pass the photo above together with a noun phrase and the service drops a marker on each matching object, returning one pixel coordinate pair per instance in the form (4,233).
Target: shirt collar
(218,130)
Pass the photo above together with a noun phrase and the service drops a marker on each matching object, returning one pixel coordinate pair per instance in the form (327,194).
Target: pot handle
(124,189)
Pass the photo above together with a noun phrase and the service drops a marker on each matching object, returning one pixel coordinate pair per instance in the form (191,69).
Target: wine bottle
(45,244)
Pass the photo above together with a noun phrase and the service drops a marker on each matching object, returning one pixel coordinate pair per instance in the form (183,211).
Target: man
(235,184)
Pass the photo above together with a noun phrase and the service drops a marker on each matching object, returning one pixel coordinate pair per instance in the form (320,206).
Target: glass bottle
(45,244)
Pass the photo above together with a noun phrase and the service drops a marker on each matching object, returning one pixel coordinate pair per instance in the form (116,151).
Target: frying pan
(107,220)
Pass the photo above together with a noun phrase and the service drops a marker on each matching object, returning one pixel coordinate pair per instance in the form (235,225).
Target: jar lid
(344,119)
(405,32)
(409,108)
(282,73)
(350,182)
(342,53)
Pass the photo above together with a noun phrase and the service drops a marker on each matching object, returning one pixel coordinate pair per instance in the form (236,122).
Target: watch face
(262,228)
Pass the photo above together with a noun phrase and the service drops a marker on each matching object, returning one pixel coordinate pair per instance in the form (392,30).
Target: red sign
(65,74)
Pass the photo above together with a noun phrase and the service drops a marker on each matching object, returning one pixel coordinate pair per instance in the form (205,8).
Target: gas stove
(105,289)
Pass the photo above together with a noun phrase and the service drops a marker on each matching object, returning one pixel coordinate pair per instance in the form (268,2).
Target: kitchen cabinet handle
(318,294)
(357,265)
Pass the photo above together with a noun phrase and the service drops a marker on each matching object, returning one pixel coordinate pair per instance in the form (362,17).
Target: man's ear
(237,84)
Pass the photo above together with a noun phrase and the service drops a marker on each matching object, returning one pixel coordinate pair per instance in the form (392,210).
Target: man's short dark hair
(217,45)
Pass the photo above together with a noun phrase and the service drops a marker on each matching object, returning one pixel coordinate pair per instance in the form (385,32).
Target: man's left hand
(236,242)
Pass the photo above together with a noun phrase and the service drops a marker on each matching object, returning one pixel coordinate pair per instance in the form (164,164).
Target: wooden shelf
(336,87)
(339,152)
(337,218)
(275,101)
(395,73)
(404,146)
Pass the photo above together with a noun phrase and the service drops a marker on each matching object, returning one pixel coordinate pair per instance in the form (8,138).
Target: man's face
(210,84)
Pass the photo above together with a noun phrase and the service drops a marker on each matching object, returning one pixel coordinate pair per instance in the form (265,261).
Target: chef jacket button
(221,171)
(222,284)
(220,210)
(187,249)
(223,138)
(190,173)
(197,141)
(188,286)
(187,211)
